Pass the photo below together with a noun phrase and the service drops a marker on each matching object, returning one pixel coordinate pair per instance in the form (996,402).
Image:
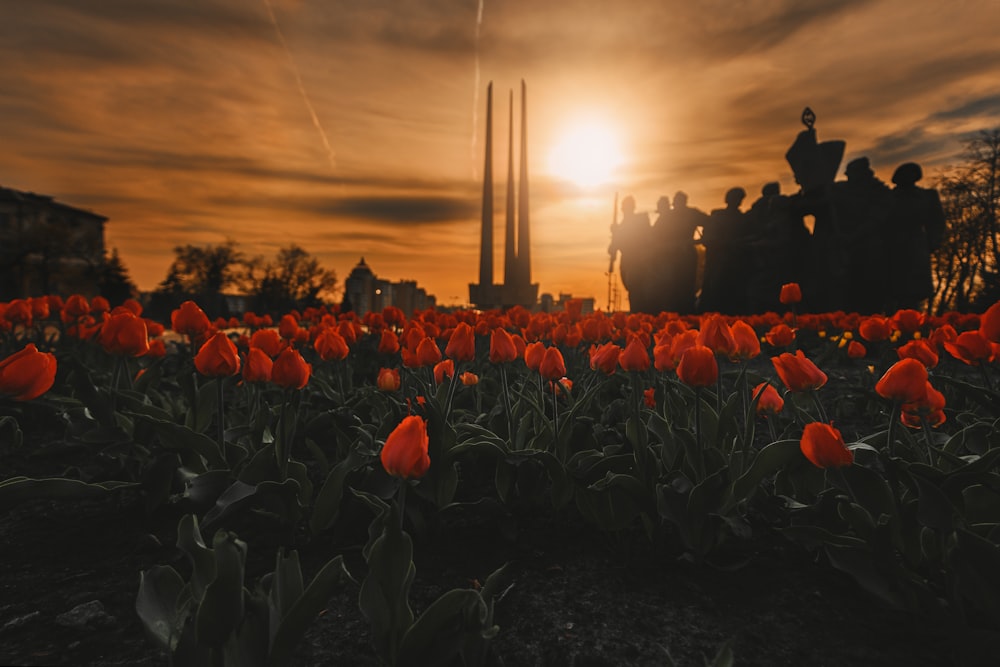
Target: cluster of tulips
(641,422)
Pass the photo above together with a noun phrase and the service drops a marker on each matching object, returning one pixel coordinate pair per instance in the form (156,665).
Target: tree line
(227,282)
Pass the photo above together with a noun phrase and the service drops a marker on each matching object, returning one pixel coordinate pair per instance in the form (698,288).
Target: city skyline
(357,129)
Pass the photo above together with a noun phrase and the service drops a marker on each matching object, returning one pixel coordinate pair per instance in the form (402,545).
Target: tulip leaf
(240,496)
(768,461)
(453,623)
(304,609)
(203,566)
(221,609)
(18,489)
(326,507)
(156,603)
(176,437)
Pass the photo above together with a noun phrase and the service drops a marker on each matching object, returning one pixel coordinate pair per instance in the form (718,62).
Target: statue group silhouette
(867,249)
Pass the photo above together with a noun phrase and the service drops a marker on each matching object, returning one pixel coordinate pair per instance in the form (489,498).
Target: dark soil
(575,597)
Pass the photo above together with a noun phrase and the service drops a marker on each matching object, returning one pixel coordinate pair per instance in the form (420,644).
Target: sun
(587,153)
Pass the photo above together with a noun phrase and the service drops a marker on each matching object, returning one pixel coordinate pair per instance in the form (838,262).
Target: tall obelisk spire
(523,223)
(486,240)
(510,263)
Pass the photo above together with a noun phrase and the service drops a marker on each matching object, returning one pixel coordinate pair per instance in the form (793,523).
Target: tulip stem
(402,501)
(819,406)
(451,392)
(222,419)
(506,402)
(897,406)
(700,463)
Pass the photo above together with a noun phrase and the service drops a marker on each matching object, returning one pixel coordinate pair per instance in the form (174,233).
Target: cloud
(402,209)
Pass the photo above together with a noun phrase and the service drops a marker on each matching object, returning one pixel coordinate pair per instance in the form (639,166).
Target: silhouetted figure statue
(724,286)
(777,243)
(815,166)
(674,260)
(688,223)
(862,203)
(914,229)
(631,237)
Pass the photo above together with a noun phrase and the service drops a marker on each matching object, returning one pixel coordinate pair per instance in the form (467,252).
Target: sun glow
(586,154)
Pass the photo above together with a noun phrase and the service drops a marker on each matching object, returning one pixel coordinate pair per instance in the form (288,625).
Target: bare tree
(295,279)
(966,265)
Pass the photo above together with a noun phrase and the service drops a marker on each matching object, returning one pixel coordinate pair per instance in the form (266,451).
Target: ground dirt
(575,598)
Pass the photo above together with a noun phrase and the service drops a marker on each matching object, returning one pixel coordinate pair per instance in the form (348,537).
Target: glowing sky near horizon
(356,129)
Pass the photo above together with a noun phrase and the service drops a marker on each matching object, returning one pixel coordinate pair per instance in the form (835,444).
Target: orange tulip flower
(905,381)
(797,372)
(331,346)
(920,350)
(552,366)
(970,347)
(125,334)
(404,453)
(218,357)
(190,320)
(27,374)
(258,366)
(267,340)
(989,323)
(605,357)
(388,379)
(770,401)
(442,369)
(780,335)
(502,347)
(649,397)
(930,407)
(462,344)
(875,329)
(790,294)
(469,379)
(635,357)
(698,367)
(824,446)
(533,353)
(290,370)
(388,342)
(747,345)
(856,350)
(716,334)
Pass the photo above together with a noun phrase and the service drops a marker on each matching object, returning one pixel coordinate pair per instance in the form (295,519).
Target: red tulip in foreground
(823,445)
(27,374)
(905,381)
(290,370)
(797,372)
(404,453)
(791,293)
(218,357)
(698,367)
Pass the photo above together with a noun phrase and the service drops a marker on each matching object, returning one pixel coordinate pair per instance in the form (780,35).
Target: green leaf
(286,589)
(156,603)
(241,496)
(189,541)
(447,626)
(326,507)
(384,597)
(221,610)
(768,461)
(176,437)
(305,609)
(18,489)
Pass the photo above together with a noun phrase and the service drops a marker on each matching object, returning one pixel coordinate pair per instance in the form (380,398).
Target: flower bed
(274,477)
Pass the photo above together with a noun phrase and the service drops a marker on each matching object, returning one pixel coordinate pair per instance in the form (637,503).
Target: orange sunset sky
(356,127)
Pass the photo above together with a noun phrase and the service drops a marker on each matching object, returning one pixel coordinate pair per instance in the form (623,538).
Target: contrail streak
(302,89)
(475,92)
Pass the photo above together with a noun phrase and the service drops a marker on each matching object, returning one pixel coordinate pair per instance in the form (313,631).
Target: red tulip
(780,335)
(288,326)
(905,381)
(388,379)
(331,346)
(971,347)
(552,366)
(791,293)
(290,370)
(404,453)
(189,320)
(797,372)
(218,357)
(649,397)
(635,357)
(27,374)
(388,342)
(533,353)
(856,350)
(716,334)
(770,401)
(125,334)
(920,350)
(747,345)
(442,369)
(824,446)
(989,323)
(698,367)
(267,340)
(875,329)
(502,347)
(462,344)
(258,366)
(469,379)
(605,357)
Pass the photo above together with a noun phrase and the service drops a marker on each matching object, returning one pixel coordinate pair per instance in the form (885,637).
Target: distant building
(365,292)
(548,304)
(47,247)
